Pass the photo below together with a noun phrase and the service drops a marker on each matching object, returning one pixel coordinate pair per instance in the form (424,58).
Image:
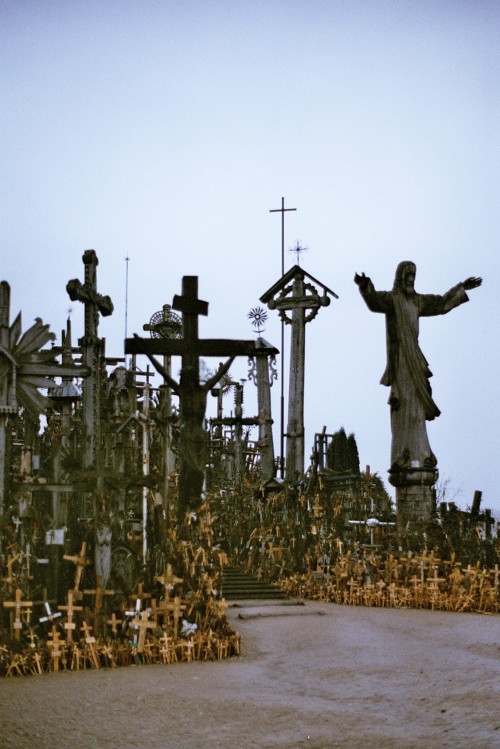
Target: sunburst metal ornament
(25,365)
(165,324)
(258,316)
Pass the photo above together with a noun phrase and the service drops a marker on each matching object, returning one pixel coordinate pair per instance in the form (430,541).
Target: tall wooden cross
(193,447)
(298,296)
(95,304)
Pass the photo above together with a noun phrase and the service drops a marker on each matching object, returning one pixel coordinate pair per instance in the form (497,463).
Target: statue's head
(405,277)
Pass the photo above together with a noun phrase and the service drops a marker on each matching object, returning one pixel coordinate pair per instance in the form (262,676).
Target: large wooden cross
(299,298)
(193,447)
(94,304)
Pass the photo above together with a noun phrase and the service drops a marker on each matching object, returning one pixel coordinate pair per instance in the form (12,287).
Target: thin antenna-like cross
(282,211)
(282,396)
(127,259)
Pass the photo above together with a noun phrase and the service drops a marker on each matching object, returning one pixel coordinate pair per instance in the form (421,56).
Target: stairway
(238,585)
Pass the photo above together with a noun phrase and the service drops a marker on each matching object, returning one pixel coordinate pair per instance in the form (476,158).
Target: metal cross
(282,211)
(298,249)
(282,384)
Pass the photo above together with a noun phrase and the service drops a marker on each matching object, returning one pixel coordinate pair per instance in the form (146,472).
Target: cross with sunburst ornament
(258,317)
(25,366)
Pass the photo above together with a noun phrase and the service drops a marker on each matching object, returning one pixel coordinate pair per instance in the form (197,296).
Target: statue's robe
(193,452)
(407,372)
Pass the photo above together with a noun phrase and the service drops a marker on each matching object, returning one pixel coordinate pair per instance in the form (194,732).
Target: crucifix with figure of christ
(192,393)
(93,348)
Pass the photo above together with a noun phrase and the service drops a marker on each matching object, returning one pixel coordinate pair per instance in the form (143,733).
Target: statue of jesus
(407,372)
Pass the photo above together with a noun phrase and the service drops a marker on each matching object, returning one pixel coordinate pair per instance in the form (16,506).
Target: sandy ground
(311,675)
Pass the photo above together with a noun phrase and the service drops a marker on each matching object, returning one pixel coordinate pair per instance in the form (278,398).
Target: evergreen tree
(353,455)
(342,453)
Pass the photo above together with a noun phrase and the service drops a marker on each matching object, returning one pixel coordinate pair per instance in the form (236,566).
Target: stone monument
(413,468)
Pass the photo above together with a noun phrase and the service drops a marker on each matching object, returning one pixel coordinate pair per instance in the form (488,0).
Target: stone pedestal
(415,497)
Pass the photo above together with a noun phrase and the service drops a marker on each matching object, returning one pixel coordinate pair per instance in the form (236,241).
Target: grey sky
(166,131)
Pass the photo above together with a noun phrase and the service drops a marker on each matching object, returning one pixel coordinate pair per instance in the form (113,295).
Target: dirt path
(313,675)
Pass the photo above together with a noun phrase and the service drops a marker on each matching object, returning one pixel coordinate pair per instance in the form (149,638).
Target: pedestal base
(415,498)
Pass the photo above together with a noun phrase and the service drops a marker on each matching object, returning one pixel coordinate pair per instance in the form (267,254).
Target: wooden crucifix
(92,346)
(193,447)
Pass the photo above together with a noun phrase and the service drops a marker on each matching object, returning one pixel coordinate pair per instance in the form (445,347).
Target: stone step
(239,585)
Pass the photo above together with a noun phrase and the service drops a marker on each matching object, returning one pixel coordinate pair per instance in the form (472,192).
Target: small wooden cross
(114,622)
(54,646)
(37,658)
(142,623)
(168,650)
(220,607)
(176,608)
(70,608)
(99,594)
(11,578)
(433,584)
(90,642)
(76,657)
(139,596)
(50,616)
(107,652)
(18,605)
(434,581)
(168,579)
(17,664)
(32,637)
(81,562)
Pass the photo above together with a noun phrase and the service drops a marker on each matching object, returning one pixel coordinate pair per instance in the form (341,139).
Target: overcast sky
(166,131)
